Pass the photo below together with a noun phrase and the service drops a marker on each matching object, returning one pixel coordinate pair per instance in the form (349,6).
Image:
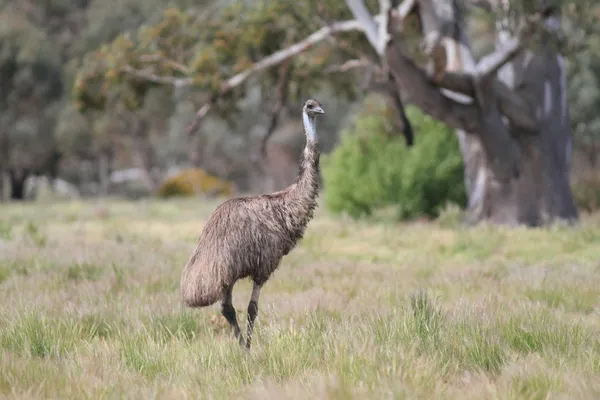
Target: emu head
(312,107)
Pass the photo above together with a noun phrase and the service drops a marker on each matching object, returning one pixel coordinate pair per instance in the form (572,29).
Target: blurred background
(97,98)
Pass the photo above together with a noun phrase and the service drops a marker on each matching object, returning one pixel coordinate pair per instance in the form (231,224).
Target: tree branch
(483,4)
(160,79)
(383,36)
(461,82)
(403,10)
(413,83)
(407,129)
(270,61)
(267,62)
(282,90)
(347,66)
(201,113)
(515,108)
(154,58)
(284,54)
(510,104)
(366,21)
(376,27)
(491,63)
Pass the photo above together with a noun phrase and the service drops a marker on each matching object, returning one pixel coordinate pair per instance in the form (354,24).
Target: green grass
(91,309)
(77,272)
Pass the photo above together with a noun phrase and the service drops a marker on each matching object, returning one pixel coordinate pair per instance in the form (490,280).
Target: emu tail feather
(201,284)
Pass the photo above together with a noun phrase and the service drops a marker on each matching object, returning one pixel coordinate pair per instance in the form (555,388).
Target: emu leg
(252,312)
(229,313)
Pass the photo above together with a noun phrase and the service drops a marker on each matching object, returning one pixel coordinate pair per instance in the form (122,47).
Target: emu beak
(318,110)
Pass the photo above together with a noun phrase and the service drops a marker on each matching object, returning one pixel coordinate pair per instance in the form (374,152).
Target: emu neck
(304,192)
(310,128)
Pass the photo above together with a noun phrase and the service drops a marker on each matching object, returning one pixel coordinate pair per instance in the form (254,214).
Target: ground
(91,309)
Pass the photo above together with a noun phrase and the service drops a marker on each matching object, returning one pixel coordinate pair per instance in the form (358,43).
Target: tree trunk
(195,149)
(144,154)
(514,173)
(104,172)
(2,184)
(18,177)
(3,163)
(52,167)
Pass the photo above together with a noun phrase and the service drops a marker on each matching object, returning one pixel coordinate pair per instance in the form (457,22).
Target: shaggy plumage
(248,236)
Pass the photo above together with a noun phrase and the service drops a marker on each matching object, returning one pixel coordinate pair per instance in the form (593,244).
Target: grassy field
(90,308)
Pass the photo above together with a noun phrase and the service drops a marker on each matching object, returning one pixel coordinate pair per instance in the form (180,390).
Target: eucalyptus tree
(31,85)
(509,108)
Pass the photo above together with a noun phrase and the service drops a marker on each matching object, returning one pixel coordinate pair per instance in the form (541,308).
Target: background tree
(198,51)
(584,99)
(31,84)
(508,109)
(70,144)
(584,83)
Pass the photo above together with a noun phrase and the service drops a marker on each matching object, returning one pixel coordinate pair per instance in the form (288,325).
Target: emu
(248,236)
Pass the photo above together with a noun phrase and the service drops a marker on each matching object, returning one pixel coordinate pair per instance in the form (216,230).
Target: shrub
(194,181)
(585,182)
(372,168)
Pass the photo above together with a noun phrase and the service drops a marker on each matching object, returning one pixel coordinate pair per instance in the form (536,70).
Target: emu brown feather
(248,236)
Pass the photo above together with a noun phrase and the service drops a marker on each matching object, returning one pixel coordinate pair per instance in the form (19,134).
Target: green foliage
(586,190)
(362,173)
(83,271)
(204,48)
(167,327)
(31,84)
(584,90)
(5,230)
(372,168)
(34,233)
(35,335)
(432,173)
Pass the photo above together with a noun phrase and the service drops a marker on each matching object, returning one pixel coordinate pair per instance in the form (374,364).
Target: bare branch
(282,90)
(483,4)
(510,104)
(515,108)
(383,36)
(490,64)
(404,9)
(154,58)
(201,113)
(267,62)
(416,88)
(365,19)
(284,54)
(376,27)
(461,82)
(160,79)
(348,65)
(270,61)
(406,126)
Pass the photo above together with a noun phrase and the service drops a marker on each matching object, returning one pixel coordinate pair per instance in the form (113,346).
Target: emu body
(247,237)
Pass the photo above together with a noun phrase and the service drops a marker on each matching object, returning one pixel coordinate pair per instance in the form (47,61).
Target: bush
(192,182)
(372,168)
(586,192)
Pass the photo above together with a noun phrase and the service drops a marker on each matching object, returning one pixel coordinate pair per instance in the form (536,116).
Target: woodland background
(65,132)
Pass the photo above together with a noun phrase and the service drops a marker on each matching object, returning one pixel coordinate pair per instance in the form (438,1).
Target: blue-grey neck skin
(310,129)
